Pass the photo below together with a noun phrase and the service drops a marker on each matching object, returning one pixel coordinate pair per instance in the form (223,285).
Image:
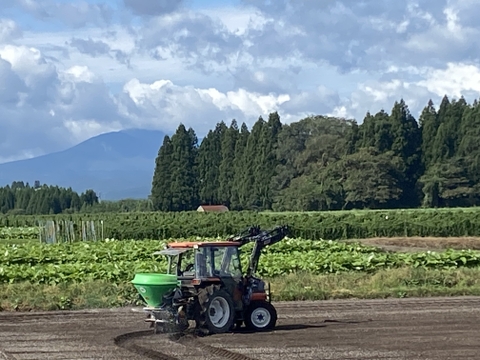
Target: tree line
(391,160)
(20,198)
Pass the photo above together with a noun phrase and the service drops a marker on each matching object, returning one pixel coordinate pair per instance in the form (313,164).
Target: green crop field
(9,233)
(18,235)
(118,261)
(309,225)
(45,276)
(310,264)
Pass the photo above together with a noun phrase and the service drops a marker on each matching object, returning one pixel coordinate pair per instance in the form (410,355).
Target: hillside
(116,165)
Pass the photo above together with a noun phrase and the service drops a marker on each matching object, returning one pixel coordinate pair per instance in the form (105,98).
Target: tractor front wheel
(260,316)
(219,312)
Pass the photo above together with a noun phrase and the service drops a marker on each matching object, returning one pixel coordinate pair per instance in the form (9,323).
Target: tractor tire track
(190,341)
(125,341)
(216,351)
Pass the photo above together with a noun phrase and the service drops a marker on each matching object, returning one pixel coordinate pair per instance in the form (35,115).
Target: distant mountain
(116,165)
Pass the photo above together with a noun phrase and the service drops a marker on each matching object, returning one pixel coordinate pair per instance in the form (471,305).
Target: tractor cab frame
(203,261)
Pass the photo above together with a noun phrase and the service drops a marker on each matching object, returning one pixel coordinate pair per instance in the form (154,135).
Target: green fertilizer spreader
(153,286)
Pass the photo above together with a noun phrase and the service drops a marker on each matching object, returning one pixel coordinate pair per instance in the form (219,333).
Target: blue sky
(74,69)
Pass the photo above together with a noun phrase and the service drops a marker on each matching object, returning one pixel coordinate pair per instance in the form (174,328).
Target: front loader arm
(261,239)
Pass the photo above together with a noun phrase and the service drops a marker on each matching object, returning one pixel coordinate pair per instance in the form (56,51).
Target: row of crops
(316,225)
(118,261)
(27,233)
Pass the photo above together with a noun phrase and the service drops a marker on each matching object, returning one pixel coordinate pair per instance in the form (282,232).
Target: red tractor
(205,283)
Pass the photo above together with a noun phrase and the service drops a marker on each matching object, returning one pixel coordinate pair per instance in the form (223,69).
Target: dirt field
(416,243)
(373,329)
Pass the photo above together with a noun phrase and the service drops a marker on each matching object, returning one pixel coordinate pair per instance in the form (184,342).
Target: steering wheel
(189,267)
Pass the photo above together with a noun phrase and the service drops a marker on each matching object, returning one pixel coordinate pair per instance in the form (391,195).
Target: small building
(212,208)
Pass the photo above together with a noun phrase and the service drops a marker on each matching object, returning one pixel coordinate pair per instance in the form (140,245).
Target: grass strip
(385,283)
(399,282)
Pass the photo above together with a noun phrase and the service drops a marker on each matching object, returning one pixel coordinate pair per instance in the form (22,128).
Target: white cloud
(163,104)
(38,76)
(9,30)
(156,64)
(85,129)
(380,94)
(90,47)
(250,104)
(80,73)
(455,80)
(43,107)
(140,93)
(194,39)
(369,34)
(238,21)
(341,112)
(12,87)
(373,96)
(22,58)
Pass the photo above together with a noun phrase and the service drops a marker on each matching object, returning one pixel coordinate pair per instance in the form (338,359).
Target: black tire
(260,316)
(215,302)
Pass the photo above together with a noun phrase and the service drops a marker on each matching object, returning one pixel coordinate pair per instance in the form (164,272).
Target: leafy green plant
(28,233)
(118,261)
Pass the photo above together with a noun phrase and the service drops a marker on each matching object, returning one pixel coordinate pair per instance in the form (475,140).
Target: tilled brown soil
(417,243)
(427,328)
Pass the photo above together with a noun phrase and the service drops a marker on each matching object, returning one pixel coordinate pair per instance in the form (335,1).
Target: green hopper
(153,286)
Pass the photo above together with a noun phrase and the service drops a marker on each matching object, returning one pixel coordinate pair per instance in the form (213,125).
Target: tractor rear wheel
(218,311)
(260,316)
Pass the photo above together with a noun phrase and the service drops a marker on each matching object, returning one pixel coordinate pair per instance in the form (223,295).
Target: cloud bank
(70,71)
